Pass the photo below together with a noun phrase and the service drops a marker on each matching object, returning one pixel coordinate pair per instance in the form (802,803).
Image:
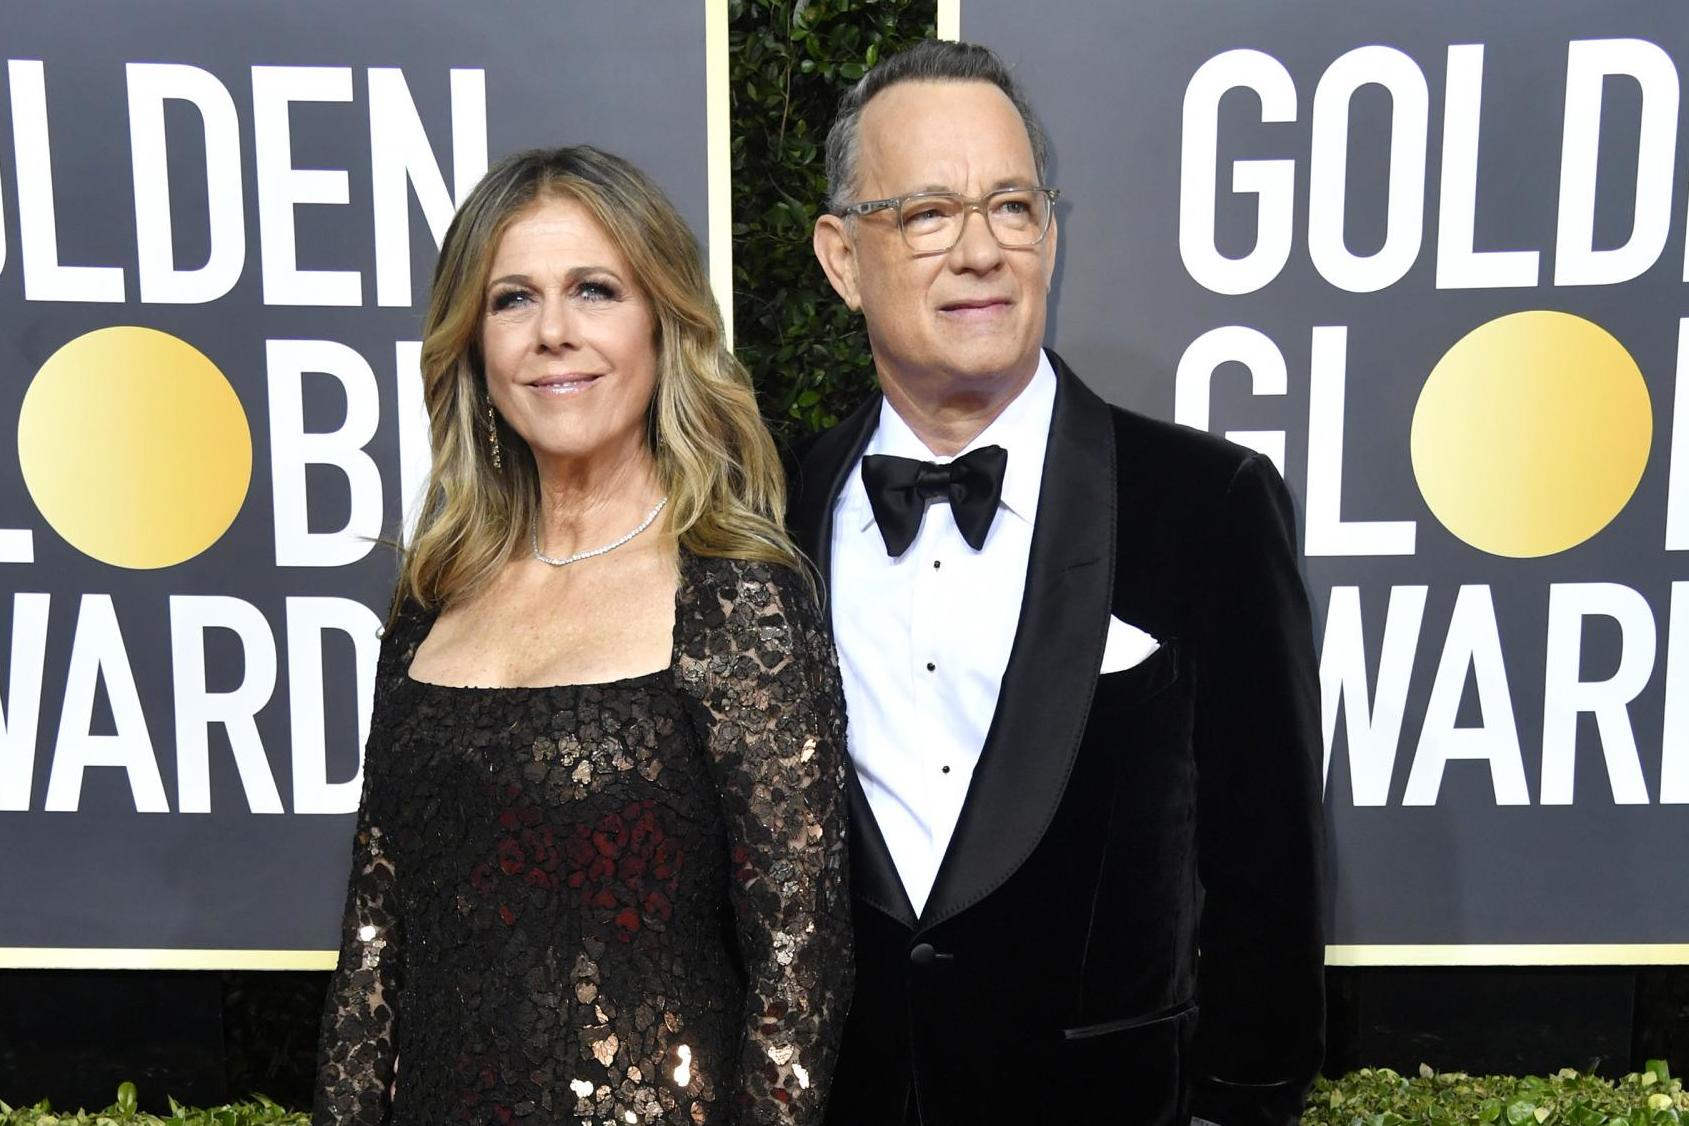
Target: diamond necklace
(534,539)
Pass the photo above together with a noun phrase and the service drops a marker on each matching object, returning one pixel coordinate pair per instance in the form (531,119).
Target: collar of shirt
(1023,429)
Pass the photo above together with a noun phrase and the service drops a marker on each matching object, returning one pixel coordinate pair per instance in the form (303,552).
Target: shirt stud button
(931,667)
(936,564)
(945,769)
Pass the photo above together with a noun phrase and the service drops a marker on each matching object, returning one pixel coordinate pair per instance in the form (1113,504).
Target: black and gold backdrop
(218,226)
(1430,258)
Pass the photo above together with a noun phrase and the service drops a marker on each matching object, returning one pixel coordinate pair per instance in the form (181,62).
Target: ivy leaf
(790,62)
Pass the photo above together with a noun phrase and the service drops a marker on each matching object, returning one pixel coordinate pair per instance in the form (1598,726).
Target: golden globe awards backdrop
(219,226)
(1430,258)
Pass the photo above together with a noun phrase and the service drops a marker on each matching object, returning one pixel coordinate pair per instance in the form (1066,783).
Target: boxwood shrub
(1369,1097)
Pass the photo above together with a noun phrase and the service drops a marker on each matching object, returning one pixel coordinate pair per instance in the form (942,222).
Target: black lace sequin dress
(619,903)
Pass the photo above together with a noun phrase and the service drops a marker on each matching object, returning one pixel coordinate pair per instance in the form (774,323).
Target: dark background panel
(1109,82)
(555,73)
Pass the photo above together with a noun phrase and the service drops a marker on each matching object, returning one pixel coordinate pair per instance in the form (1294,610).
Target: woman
(599,866)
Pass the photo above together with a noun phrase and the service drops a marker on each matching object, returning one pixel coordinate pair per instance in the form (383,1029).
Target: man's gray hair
(931,60)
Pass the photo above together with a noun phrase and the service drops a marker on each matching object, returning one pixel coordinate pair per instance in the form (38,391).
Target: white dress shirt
(924,638)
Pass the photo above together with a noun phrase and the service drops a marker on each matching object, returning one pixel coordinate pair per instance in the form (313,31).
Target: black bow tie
(899,488)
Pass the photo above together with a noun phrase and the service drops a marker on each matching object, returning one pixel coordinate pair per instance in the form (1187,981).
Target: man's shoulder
(1157,447)
(814,461)
(1191,477)
(1168,455)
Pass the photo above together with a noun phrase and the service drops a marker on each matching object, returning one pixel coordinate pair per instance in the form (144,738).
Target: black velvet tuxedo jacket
(1126,926)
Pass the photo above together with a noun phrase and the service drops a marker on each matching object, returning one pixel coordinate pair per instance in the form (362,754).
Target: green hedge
(123,1112)
(1370,1097)
(1380,1097)
(791,59)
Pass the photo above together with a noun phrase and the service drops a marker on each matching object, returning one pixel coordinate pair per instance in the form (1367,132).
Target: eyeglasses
(932,222)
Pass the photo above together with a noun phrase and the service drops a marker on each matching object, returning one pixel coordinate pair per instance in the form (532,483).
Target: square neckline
(430,616)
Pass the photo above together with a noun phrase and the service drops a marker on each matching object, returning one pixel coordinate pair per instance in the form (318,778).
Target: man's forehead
(944,129)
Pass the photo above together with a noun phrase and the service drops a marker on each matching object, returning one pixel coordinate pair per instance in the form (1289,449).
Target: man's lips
(975,307)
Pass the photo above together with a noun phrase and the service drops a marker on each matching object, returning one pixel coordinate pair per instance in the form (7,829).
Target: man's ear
(837,255)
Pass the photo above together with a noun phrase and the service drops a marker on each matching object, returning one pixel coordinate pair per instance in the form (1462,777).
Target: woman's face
(567,338)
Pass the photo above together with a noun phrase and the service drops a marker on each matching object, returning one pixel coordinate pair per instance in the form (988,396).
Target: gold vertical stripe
(112,958)
(720,160)
(949,19)
(1519,954)
(1516,954)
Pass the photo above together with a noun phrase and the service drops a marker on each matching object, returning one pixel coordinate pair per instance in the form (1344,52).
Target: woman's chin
(581,446)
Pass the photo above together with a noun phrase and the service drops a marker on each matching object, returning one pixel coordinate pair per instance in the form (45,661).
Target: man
(1078,669)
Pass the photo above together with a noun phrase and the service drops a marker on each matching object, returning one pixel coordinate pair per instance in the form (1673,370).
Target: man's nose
(977,249)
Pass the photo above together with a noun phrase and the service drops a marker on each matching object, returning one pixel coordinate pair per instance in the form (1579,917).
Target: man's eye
(924,215)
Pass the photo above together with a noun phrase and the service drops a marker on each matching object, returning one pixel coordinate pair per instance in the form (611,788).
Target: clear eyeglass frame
(899,207)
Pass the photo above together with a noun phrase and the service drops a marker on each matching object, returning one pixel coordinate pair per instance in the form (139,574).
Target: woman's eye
(508,299)
(596,291)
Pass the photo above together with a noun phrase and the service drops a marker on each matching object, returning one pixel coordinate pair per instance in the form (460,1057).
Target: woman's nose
(556,324)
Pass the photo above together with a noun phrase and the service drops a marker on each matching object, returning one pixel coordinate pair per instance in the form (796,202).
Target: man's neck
(944,413)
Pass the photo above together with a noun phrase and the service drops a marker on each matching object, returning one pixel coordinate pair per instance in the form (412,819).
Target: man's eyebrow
(1005,182)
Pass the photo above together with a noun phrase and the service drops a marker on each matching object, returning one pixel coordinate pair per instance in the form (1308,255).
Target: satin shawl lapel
(822,475)
(1052,671)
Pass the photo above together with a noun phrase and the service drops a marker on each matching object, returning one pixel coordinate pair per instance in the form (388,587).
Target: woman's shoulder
(751,626)
(731,578)
(405,615)
(735,594)
(407,624)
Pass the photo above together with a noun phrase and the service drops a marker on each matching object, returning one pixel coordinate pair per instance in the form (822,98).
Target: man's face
(975,314)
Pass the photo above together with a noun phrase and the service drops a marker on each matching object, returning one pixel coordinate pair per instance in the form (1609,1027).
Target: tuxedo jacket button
(923,954)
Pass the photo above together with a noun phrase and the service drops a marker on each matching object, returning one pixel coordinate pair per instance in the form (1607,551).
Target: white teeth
(567,386)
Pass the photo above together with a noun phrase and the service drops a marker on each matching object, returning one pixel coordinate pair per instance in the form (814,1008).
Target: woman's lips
(564,384)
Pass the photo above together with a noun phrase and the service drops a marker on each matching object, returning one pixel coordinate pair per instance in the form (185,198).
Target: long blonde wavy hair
(714,456)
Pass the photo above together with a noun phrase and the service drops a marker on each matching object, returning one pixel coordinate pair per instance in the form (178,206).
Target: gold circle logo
(1531,434)
(134,447)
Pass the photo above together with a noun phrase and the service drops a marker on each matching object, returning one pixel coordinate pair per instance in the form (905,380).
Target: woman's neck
(588,502)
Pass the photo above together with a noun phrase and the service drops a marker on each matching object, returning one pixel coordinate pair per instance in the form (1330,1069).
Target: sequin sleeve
(764,674)
(356,1051)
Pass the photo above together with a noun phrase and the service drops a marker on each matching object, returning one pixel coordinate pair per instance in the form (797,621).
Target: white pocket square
(1127,646)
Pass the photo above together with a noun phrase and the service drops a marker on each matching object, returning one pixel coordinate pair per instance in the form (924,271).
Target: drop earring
(492,438)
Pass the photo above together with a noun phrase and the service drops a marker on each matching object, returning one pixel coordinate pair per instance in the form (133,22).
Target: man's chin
(960,365)
(994,364)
